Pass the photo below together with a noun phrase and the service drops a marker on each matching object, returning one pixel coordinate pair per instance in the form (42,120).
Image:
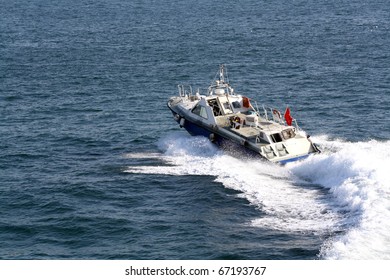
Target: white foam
(344,189)
(357,176)
(142,155)
(267,186)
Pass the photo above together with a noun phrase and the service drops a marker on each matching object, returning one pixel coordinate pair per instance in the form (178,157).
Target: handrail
(183,91)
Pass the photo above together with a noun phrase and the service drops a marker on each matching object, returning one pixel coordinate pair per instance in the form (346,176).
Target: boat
(227,118)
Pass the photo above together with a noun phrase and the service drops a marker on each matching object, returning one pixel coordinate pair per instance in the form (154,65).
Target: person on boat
(235,122)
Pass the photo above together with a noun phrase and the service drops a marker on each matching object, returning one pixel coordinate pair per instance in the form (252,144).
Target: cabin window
(276,137)
(264,136)
(288,133)
(214,105)
(236,105)
(226,105)
(200,111)
(203,112)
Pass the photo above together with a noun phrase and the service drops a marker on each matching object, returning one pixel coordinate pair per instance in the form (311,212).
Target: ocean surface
(93,166)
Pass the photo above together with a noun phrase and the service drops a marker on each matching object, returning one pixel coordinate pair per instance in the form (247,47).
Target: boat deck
(246,131)
(249,132)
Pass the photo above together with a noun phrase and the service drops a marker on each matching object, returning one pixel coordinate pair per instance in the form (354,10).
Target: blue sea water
(93,166)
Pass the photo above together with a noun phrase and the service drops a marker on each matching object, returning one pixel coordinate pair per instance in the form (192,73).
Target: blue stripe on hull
(293,159)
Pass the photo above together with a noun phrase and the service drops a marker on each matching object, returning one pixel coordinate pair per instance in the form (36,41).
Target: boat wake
(357,177)
(342,193)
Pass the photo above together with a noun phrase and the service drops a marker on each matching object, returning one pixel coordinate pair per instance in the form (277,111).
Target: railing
(183,92)
(273,114)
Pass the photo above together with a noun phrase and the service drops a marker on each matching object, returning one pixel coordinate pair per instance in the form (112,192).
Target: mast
(219,85)
(221,73)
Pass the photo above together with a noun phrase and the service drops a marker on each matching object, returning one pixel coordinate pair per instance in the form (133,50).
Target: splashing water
(342,192)
(356,174)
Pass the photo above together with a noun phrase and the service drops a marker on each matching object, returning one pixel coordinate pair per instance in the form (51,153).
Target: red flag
(287,116)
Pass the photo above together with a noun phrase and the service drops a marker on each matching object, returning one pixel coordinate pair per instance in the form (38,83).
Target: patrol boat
(226,117)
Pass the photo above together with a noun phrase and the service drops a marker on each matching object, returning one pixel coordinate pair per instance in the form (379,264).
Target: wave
(357,177)
(342,193)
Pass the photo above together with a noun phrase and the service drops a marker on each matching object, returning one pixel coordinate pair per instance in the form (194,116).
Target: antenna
(221,73)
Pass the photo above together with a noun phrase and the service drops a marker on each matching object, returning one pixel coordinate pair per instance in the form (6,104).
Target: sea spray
(357,178)
(341,194)
(289,203)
